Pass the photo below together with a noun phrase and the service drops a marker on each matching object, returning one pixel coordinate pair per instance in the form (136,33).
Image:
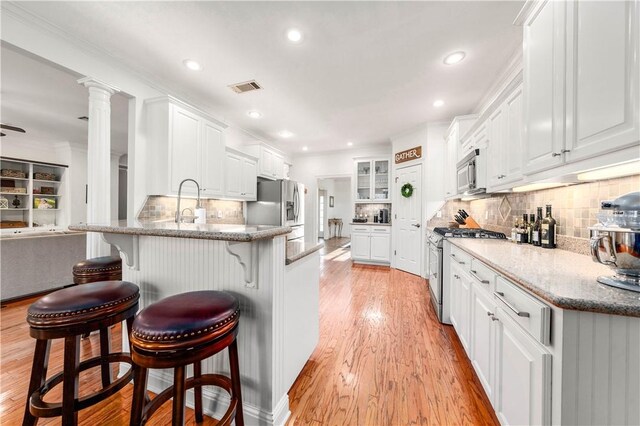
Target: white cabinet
(602,77)
(183,143)
(482,333)
(581,77)
(212,164)
(523,376)
(505,141)
(460,299)
(371,180)
(270,162)
(371,244)
(241,176)
(456,149)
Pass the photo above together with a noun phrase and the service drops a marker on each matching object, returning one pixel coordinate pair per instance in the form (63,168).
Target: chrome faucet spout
(178,212)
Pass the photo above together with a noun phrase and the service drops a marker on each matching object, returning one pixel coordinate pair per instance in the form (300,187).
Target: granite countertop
(296,250)
(370,223)
(563,278)
(242,233)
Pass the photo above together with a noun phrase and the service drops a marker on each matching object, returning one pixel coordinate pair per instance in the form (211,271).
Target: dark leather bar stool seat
(67,314)
(178,331)
(106,268)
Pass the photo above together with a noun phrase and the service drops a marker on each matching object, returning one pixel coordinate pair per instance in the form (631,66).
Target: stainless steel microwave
(472,174)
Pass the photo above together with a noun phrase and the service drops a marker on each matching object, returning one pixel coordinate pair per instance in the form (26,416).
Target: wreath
(406,190)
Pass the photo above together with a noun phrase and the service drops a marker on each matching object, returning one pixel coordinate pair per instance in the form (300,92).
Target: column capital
(92,82)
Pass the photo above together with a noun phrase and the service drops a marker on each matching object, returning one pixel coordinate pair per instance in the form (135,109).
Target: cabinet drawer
(380,229)
(484,275)
(533,315)
(462,258)
(360,228)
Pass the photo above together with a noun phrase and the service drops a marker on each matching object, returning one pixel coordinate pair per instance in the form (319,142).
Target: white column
(98,162)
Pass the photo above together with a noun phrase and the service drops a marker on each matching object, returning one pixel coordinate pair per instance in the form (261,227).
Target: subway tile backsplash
(574,207)
(161,208)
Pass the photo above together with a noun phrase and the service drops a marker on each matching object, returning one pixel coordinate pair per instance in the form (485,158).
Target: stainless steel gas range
(438,288)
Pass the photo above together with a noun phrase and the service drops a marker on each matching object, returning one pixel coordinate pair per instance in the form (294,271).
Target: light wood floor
(382,359)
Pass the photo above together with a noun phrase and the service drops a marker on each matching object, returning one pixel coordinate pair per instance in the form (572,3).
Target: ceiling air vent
(247,86)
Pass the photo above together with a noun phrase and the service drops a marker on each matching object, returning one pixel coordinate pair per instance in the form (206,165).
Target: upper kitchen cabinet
(505,140)
(372,181)
(603,87)
(458,128)
(241,176)
(581,82)
(270,162)
(183,143)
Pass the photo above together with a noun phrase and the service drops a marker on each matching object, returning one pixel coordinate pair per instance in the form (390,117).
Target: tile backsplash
(574,207)
(160,207)
(370,210)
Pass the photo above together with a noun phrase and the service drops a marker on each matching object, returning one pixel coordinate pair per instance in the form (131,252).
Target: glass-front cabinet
(372,181)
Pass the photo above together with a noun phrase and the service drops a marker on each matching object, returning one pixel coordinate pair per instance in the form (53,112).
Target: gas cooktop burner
(469,233)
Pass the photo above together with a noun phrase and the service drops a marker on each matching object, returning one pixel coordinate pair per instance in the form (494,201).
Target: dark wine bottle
(548,238)
(537,229)
(524,233)
(532,221)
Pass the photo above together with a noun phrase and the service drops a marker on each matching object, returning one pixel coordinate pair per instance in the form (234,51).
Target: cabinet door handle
(417,225)
(459,262)
(556,154)
(473,274)
(500,297)
(492,316)
(456,276)
(565,150)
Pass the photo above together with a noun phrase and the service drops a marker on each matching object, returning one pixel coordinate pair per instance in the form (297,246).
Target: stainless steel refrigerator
(280,202)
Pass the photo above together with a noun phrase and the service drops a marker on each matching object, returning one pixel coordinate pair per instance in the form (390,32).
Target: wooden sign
(409,154)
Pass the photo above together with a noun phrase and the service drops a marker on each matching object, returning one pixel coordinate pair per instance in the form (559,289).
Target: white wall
(343,208)
(308,168)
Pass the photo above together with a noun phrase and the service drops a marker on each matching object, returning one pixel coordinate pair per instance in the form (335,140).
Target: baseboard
(215,401)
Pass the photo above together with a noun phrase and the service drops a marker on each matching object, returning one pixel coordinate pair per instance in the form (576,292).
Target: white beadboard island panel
(168,266)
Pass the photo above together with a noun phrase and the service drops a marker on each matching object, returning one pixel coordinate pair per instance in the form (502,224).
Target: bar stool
(67,314)
(178,331)
(106,268)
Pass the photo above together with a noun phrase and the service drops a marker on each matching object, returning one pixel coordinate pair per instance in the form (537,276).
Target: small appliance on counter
(615,241)
(384,216)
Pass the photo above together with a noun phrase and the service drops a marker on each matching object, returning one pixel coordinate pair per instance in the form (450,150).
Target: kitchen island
(275,338)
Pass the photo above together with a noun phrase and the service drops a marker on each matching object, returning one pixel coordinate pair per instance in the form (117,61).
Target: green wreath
(406,190)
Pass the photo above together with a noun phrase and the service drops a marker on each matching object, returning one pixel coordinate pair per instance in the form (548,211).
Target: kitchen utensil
(459,219)
(619,246)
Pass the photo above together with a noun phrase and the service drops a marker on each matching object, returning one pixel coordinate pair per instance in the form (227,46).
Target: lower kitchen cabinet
(523,375)
(482,329)
(460,292)
(371,244)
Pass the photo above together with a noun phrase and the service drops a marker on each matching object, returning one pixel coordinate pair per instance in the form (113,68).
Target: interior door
(407,226)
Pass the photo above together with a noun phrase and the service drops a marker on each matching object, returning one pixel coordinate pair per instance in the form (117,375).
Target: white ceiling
(47,100)
(365,70)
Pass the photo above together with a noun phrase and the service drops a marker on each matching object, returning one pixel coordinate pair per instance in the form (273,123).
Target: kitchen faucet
(178,212)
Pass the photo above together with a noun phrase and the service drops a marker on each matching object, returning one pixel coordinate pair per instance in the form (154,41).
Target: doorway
(407,224)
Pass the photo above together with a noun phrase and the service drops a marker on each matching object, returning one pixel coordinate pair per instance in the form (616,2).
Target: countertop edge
(302,254)
(573,304)
(183,233)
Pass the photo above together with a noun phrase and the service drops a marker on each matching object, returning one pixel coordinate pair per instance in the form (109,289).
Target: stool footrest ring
(204,380)
(39,408)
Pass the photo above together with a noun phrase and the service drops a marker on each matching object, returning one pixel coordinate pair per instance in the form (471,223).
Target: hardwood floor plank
(382,359)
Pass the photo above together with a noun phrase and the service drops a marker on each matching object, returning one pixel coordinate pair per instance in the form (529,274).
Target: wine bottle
(514,230)
(537,229)
(523,234)
(548,230)
(532,220)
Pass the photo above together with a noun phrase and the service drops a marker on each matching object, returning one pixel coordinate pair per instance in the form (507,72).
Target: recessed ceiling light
(192,65)
(349,143)
(285,134)
(254,114)
(438,103)
(294,35)
(454,58)
(304,148)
